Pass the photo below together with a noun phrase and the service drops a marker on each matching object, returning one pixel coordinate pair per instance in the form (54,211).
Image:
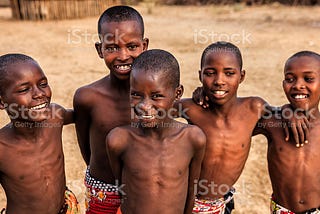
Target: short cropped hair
(159,62)
(303,53)
(120,14)
(222,46)
(6,61)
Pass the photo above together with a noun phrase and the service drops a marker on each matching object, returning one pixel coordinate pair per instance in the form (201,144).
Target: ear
(200,76)
(179,92)
(98,48)
(242,75)
(145,43)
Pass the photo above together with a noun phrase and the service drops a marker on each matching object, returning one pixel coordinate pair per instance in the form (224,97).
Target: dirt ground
(266,35)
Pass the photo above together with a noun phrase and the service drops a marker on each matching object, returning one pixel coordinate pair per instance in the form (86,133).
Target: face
(221,76)
(27,93)
(152,98)
(122,42)
(302,82)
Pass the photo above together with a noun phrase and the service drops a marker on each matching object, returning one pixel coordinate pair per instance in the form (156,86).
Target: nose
(219,79)
(123,54)
(299,84)
(38,93)
(144,106)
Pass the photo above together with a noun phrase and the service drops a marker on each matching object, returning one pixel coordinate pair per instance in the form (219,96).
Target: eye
(134,94)
(132,47)
(229,73)
(156,96)
(289,79)
(23,90)
(309,79)
(209,73)
(43,84)
(111,49)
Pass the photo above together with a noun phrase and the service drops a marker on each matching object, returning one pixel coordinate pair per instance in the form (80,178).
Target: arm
(82,123)
(115,145)
(68,116)
(199,142)
(65,115)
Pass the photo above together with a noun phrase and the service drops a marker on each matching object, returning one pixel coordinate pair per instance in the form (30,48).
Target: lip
(219,93)
(123,68)
(299,96)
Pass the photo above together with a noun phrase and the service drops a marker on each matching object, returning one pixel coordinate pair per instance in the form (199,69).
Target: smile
(147,116)
(300,96)
(123,67)
(219,92)
(38,107)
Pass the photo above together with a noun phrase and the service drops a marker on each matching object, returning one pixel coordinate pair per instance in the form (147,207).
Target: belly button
(301,202)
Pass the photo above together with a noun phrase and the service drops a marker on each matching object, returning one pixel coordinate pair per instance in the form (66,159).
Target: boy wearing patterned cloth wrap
(31,155)
(157,158)
(295,173)
(121,31)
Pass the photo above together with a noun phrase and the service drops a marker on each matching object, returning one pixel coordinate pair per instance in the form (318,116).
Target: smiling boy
(31,156)
(104,104)
(295,173)
(158,160)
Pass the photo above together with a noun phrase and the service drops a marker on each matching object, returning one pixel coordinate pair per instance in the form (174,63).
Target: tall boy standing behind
(157,158)
(104,104)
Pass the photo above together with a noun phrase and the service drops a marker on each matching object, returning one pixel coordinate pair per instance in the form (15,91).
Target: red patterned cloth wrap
(101,198)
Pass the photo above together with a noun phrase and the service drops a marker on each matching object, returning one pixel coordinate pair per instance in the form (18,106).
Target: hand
(200,98)
(297,123)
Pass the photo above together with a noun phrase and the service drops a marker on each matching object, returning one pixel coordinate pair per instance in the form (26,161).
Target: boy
(228,132)
(104,104)
(295,173)
(31,156)
(157,158)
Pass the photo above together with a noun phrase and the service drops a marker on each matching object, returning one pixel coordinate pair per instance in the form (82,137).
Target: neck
(160,131)
(225,109)
(120,85)
(313,114)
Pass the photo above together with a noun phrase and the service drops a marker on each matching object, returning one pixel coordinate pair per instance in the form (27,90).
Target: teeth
(300,96)
(123,67)
(146,116)
(38,106)
(219,92)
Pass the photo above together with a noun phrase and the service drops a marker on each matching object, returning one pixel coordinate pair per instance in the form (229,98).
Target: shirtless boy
(31,156)
(104,104)
(228,123)
(157,158)
(295,173)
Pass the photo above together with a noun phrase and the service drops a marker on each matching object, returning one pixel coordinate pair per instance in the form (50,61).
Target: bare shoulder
(118,137)
(254,103)
(86,94)
(196,136)
(187,103)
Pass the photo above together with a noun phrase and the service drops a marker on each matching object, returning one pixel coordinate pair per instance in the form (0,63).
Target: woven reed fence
(58,9)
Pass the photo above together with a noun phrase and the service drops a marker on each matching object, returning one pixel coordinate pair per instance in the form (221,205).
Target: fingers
(306,126)
(286,132)
(295,134)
